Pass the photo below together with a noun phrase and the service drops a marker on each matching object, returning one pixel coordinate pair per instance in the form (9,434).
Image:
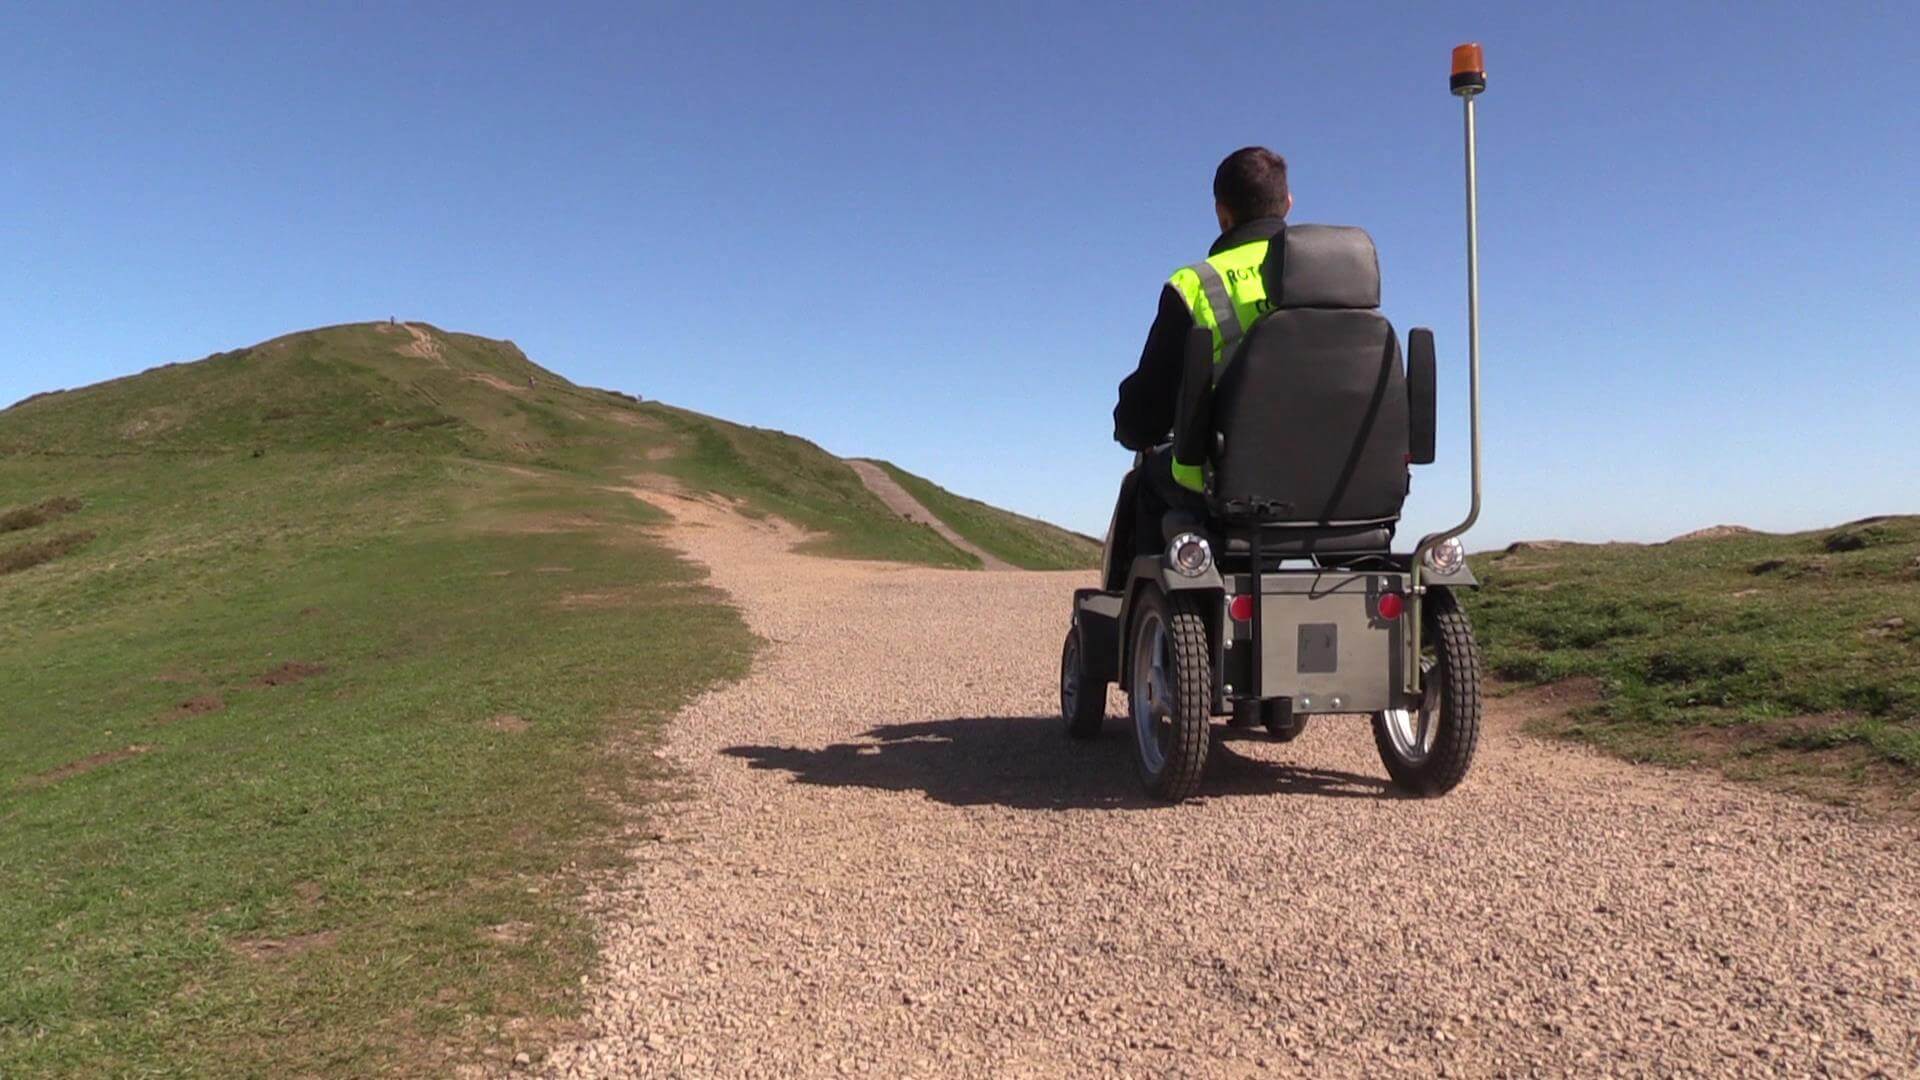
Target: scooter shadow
(1028,763)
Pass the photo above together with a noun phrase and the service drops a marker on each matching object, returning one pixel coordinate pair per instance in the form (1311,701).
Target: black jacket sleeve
(1144,416)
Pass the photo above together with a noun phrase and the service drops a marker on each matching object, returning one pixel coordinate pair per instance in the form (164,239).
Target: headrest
(1323,266)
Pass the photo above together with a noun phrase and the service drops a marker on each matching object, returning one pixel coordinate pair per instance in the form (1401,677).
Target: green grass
(775,473)
(1021,541)
(343,874)
(357,387)
(309,747)
(1789,658)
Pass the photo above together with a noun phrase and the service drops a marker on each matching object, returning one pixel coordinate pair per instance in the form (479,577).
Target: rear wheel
(1170,694)
(1083,702)
(1427,750)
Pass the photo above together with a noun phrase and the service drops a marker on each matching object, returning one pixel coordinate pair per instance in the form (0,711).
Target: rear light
(1241,608)
(1391,605)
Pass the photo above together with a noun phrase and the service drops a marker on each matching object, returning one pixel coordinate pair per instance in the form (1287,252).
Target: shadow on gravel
(1029,763)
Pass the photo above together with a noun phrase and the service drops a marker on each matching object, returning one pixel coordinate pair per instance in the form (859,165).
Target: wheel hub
(1414,731)
(1150,697)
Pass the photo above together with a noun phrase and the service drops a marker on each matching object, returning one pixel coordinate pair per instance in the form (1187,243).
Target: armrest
(1422,396)
(1193,414)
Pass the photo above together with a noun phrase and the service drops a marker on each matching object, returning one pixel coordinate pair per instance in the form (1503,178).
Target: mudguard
(1096,617)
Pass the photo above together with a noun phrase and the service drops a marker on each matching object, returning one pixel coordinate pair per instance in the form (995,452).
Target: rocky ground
(893,863)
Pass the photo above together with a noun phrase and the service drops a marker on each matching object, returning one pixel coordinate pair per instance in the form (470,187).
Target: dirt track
(901,501)
(897,865)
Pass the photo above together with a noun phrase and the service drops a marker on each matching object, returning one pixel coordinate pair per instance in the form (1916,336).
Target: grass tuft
(1687,665)
(1897,744)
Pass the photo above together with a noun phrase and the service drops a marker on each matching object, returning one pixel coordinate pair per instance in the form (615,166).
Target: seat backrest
(1310,412)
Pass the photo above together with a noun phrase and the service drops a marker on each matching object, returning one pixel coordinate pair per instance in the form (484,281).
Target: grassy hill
(1021,541)
(325,669)
(372,388)
(1793,659)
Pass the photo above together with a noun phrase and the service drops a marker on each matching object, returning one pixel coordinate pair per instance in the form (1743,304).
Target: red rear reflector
(1391,605)
(1242,608)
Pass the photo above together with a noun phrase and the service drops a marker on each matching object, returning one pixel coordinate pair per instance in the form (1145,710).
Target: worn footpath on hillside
(893,863)
(901,502)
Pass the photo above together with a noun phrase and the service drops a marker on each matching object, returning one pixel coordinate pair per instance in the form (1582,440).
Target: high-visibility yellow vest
(1225,293)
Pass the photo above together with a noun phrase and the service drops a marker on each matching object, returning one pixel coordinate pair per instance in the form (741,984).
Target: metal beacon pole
(1469,79)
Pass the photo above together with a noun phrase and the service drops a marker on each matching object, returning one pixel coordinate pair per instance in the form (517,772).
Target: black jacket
(1144,415)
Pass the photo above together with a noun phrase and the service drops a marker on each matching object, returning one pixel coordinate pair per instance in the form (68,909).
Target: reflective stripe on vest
(1225,293)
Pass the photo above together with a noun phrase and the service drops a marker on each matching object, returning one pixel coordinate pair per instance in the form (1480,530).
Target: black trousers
(1152,491)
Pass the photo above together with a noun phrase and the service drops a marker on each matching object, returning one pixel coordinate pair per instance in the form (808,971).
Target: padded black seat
(1302,543)
(1307,424)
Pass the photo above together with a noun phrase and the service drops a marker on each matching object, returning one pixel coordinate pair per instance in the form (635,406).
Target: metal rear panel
(1319,652)
(1323,643)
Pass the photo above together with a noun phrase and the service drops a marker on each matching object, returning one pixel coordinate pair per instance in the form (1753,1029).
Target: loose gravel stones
(895,863)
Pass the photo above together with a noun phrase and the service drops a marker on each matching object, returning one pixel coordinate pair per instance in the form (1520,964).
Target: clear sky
(935,233)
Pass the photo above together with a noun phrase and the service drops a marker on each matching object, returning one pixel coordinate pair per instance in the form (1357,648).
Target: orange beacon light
(1469,70)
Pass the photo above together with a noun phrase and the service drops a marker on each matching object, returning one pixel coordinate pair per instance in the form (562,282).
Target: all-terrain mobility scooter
(1285,599)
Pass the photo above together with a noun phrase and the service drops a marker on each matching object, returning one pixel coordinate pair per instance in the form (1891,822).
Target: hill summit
(412,388)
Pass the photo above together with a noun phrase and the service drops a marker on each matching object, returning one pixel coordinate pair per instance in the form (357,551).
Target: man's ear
(1289,208)
(1224,216)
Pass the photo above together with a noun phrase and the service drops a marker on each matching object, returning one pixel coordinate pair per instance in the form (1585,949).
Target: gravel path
(897,865)
(902,502)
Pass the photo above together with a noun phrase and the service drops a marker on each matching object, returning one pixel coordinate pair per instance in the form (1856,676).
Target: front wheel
(1427,750)
(1170,694)
(1083,702)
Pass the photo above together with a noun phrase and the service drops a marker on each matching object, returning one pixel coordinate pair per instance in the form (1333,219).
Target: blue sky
(935,233)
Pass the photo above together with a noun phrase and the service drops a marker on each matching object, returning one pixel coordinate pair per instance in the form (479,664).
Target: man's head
(1251,183)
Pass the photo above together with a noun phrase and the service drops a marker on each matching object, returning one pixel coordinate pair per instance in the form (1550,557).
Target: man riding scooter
(1223,293)
(1250,570)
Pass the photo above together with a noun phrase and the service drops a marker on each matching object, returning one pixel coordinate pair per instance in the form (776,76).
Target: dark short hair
(1252,183)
